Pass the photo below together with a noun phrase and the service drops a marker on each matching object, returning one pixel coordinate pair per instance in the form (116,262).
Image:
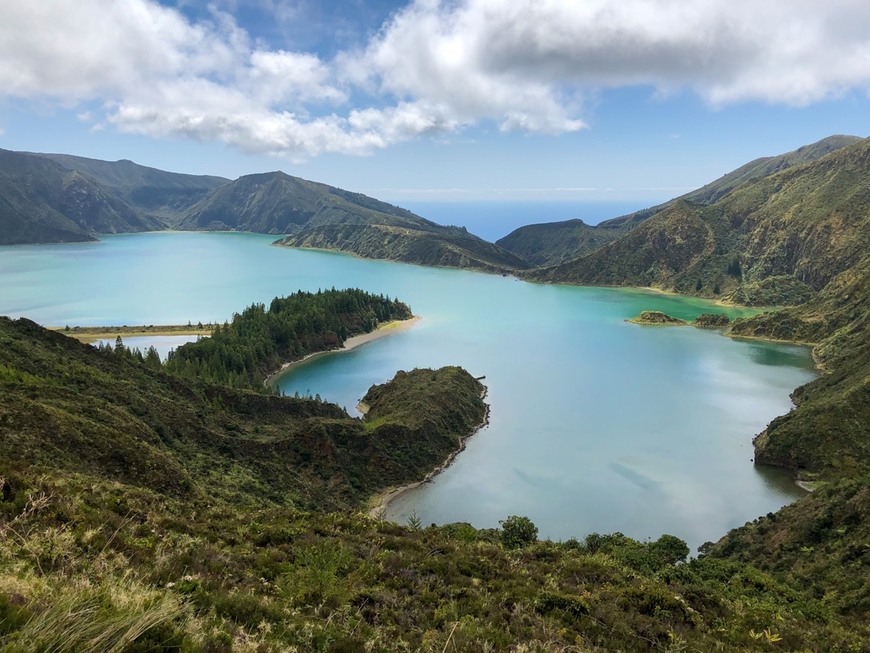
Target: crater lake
(596,425)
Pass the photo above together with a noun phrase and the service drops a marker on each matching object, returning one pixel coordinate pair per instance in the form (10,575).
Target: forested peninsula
(243,353)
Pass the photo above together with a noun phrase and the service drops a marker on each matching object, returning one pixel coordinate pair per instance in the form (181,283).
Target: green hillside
(409,243)
(554,242)
(557,242)
(43,202)
(117,417)
(277,203)
(774,239)
(149,191)
(144,512)
(323,217)
(829,430)
(60,197)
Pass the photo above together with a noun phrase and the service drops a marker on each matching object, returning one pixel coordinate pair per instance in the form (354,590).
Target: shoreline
(508,273)
(380,502)
(88,334)
(385,329)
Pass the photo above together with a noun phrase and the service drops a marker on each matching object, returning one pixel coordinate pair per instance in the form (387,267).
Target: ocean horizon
(494,219)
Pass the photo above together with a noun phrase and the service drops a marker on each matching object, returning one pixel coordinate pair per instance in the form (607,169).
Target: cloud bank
(434,67)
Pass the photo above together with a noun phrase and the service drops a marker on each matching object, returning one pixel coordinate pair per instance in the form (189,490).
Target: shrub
(518,532)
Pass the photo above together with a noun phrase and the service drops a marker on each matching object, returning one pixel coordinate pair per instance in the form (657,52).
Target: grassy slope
(657,253)
(767,239)
(149,191)
(320,216)
(43,201)
(830,427)
(190,537)
(442,247)
(29,198)
(277,203)
(67,405)
(557,242)
(820,543)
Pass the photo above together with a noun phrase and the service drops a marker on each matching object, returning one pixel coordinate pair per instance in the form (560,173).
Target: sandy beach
(91,334)
(385,329)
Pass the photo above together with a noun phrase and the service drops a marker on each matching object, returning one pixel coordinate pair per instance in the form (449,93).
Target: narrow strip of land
(92,333)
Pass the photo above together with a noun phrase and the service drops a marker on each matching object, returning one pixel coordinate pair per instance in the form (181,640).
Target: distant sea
(492,220)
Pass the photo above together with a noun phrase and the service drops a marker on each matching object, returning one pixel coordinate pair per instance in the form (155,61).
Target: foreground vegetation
(142,511)
(91,565)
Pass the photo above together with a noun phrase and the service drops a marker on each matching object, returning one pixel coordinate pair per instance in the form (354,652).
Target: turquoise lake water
(596,425)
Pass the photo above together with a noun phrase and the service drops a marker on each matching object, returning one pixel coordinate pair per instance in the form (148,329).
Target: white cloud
(483,54)
(435,67)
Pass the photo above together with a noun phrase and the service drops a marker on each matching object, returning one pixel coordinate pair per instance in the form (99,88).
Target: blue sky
(437,100)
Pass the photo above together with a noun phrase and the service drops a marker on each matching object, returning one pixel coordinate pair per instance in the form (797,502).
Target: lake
(596,425)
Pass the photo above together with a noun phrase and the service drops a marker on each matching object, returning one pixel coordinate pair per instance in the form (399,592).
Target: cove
(596,425)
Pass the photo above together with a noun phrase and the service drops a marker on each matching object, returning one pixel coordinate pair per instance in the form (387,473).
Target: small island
(703,321)
(657,318)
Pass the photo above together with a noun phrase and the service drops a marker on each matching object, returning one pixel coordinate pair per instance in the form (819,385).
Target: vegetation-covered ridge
(551,244)
(770,235)
(411,243)
(258,341)
(829,429)
(144,512)
(48,198)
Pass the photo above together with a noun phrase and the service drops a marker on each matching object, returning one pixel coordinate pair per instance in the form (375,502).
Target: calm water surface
(596,425)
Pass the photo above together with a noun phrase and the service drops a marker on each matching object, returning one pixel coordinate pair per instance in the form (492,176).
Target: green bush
(518,532)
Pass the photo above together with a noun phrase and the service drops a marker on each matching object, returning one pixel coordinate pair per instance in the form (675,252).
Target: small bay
(596,425)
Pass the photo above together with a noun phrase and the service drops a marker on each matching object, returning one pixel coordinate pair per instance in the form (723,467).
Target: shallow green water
(596,425)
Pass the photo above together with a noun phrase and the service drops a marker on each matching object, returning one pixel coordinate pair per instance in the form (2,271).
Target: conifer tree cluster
(242,353)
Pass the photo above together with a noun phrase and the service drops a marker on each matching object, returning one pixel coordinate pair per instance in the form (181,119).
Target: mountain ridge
(806,222)
(549,244)
(73,199)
